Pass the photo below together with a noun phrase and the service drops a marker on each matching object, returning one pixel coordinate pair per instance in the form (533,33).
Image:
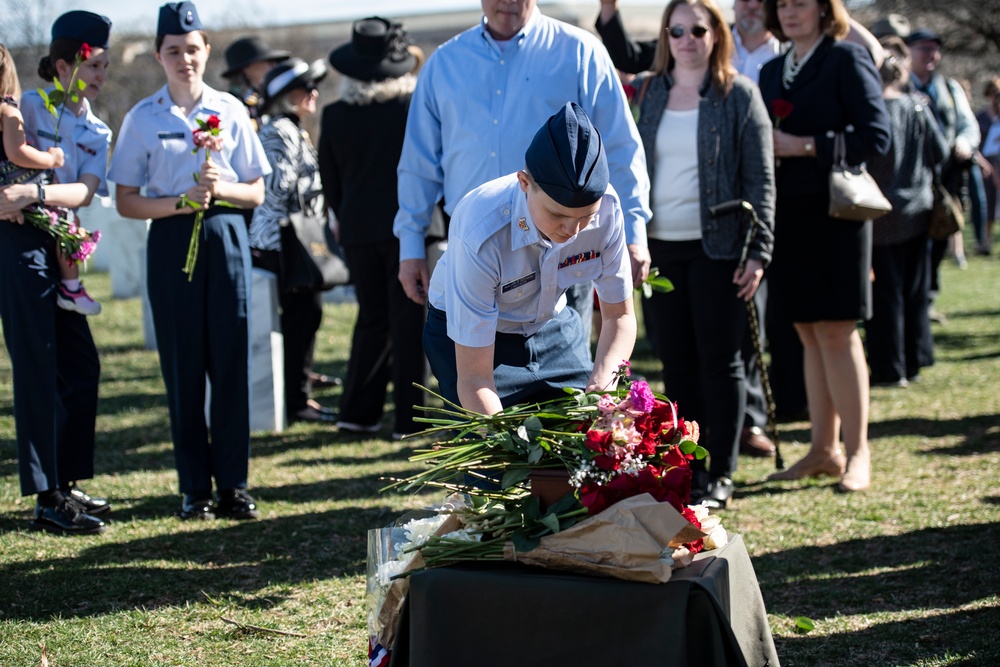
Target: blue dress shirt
(155,143)
(500,274)
(478,104)
(84,139)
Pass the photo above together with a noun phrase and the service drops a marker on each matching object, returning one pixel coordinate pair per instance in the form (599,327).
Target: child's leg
(71,294)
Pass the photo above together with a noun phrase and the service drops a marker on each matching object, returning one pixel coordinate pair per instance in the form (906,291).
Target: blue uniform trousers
(54,363)
(202,330)
(525,368)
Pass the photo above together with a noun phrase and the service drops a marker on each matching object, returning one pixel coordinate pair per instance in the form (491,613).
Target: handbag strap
(839,150)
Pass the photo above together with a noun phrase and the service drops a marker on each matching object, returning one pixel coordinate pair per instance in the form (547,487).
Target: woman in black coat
(821,267)
(361,138)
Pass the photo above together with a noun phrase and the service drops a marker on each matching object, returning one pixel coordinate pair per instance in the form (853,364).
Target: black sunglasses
(678,31)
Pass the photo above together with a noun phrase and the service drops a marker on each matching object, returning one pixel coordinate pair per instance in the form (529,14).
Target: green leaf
(804,624)
(57,97)
(534,453)
(551,521)
(58,84)
(523,543)
(688,446)
(564,504)
(81,85)
(513,477)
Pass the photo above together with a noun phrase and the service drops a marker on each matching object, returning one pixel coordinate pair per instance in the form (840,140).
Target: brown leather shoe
(754,442)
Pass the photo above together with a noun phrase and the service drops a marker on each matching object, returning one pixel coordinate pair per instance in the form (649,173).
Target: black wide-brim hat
(247,51)
(377,51)
(289,75)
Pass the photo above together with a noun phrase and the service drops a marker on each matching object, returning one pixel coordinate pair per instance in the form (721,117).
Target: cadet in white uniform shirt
(201,320)
(498,331)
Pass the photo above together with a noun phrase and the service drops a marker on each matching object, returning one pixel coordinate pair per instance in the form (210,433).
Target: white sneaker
(78,301)
(359,428)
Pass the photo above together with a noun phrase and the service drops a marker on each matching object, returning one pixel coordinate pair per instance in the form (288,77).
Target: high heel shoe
(858,475)
(811,467)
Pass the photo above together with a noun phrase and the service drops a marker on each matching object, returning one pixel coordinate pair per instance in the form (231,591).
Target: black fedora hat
(289,75)
(247,51)
(377,51)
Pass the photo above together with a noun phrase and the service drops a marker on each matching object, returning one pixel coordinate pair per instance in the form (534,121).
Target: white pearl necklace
(792,68)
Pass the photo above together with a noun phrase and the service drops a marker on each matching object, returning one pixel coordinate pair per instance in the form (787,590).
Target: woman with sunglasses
(707,140)
(290,96)
(820,275)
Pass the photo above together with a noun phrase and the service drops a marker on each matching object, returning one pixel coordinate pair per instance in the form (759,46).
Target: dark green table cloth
(709,614)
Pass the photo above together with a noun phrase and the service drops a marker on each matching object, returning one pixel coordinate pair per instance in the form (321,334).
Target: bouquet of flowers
(620,462)
(76,244)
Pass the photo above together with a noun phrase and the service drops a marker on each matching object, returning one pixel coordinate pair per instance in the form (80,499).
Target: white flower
(717,537)
(389,569)
(417,532)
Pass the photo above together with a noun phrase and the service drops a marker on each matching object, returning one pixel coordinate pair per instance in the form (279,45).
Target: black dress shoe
(237,504)
(320,380)
(197,507)
(309,414)
(85,503)
(719,494)
(66,519)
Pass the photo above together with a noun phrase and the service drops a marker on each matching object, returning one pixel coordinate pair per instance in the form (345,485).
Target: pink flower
(641,397)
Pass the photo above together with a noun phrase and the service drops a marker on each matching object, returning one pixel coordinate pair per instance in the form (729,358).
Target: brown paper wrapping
(624,541)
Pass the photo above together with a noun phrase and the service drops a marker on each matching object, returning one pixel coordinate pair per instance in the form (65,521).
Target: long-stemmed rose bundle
(207,137)
(612,445)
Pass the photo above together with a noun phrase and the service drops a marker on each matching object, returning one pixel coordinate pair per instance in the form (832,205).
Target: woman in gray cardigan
(707,138)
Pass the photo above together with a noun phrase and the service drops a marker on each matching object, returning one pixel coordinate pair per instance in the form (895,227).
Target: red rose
(781,108)
(212,122)
(598,441)
(83,55)
(697,545)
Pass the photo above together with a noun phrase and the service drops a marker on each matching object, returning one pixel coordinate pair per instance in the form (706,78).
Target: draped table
(505,614)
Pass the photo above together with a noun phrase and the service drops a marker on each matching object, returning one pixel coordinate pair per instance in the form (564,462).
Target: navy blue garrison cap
(567,160)
(87,27)
(178,18)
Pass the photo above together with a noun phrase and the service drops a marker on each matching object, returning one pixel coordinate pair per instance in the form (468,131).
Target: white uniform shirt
(499,273)
(84,139)
(155,143)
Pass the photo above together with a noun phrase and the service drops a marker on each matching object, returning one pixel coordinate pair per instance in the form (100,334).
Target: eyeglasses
(678,31)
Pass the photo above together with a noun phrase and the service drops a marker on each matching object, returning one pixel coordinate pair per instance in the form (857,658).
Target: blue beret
(566,158)
(87,27)
(178,18)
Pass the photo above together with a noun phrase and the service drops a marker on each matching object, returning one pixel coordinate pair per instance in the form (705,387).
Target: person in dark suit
(361,138)
(821,266)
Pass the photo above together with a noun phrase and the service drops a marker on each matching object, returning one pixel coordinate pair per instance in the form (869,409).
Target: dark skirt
(822,266)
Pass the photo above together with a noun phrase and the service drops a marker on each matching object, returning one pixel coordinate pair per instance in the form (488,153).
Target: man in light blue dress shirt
(499,331)
(479,100)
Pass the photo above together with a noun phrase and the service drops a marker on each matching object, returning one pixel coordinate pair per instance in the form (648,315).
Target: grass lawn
(905,574)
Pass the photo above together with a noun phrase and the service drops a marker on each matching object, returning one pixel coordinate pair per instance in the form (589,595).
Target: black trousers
(899,333)
(301,316)
(386,345)
(202,331)
(699,328)
(54,363)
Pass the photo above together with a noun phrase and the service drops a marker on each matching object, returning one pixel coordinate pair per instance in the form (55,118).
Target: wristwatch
(41,195)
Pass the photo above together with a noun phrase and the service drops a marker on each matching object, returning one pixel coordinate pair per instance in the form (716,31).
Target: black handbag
(311,258)
(854,194)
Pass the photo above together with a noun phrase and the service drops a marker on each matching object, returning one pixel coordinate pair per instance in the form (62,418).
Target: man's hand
(639,257)
(415,277)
